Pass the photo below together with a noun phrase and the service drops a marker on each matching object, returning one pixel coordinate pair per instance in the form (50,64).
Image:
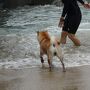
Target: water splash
(19,47)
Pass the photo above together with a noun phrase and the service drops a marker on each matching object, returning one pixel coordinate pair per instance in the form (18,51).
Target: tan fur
(49,46)
(44,41)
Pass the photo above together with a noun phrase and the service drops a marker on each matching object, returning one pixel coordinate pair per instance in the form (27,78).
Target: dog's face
(55,41)
(55,46)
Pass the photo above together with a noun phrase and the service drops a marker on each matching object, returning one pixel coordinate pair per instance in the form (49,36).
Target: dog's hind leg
(49,61)
(41,57)
(42,60)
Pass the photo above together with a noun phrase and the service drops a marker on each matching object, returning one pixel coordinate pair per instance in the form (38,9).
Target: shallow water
(19,47)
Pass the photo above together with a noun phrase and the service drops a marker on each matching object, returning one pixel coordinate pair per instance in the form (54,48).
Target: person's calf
(74,39)
(63,37)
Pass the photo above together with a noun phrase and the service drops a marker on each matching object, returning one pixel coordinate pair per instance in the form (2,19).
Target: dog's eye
(58,43)
(53,45)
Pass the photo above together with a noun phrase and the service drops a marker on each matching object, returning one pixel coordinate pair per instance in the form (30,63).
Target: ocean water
(19,47)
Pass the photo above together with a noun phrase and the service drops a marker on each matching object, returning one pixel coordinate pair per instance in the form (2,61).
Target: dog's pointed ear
(37,32)
(58,42)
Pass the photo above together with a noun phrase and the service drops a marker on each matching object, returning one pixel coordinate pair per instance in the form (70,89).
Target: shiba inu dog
(50,46)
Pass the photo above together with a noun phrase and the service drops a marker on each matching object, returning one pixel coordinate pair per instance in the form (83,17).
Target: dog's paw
(43,66)
(64,70)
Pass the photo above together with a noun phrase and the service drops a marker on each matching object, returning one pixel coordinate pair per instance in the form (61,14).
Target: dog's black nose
(53,45)
(55,53)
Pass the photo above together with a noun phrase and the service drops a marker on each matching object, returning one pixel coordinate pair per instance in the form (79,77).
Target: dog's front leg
(61,59)
(64,70)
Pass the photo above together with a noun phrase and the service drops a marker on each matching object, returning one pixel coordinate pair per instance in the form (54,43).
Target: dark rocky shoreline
(16,3)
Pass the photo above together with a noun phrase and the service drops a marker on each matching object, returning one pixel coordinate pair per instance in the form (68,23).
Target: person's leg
(63,37)
(74,39)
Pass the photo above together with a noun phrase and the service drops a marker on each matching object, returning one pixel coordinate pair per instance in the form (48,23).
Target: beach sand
(75,78)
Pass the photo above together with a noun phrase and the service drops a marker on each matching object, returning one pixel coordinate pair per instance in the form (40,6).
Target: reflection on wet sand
(76,78)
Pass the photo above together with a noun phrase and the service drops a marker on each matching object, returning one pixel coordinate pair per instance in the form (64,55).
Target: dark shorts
(72,23)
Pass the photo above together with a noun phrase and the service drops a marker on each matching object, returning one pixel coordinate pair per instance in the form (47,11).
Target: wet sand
(76,78)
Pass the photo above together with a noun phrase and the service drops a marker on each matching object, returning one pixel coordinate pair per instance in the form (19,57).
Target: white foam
(74,59)
(22,50)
